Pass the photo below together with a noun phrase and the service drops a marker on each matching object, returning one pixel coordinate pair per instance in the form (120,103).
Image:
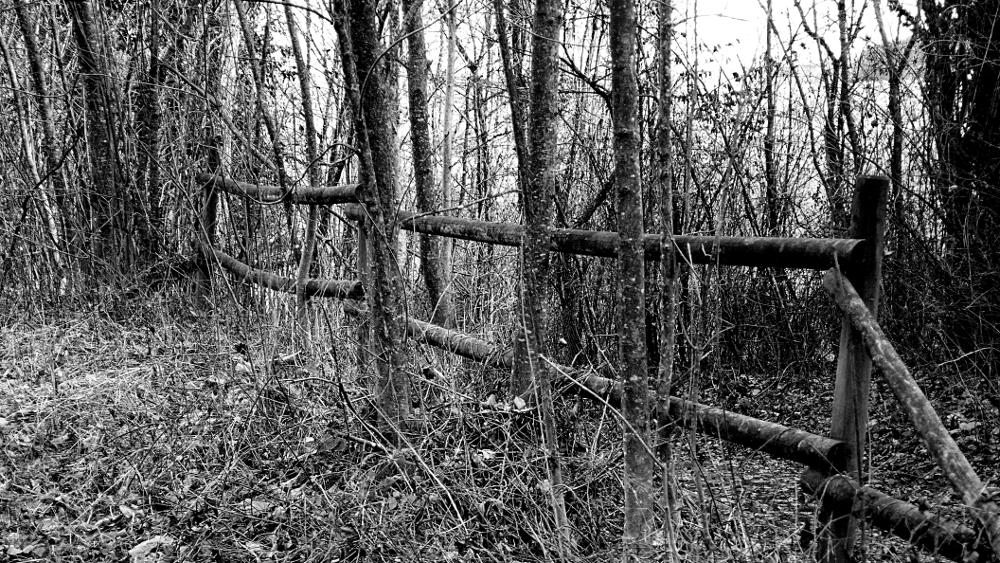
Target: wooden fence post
(360,311)
(209,217)
(837,520)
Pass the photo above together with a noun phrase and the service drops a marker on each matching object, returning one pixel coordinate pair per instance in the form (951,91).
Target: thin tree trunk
(257,65)
(50,148)
(104,194)
(668,270)
(222,49)
(895,65)
(257,72)
(834,179)
(631,278)
(225,83)
(515,94)
(149,120)
(432,258)
(313,171)
(520,377)
(771,200)
(50,215)
(846,108)
(449,99)
(538,199)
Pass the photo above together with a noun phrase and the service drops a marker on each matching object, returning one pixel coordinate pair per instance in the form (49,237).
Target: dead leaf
(144,551)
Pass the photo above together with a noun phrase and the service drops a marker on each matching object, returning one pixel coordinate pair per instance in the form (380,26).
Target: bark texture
(811,253)
(631,277)
(543,126)
(103,190)
(669,273)
(369,91)
(428,197)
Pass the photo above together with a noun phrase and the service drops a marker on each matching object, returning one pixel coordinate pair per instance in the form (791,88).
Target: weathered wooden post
(208,220)
(365,275)
(360,311)
(837,521)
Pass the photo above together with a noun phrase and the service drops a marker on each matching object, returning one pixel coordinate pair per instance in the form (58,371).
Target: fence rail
(775,439)
(904,520)
(834,463)
(787,252)
(328,195)
(245,273)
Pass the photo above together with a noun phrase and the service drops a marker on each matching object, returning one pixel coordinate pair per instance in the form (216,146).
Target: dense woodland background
(112,108)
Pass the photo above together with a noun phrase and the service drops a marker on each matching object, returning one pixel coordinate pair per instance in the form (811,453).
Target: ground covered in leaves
(164,433)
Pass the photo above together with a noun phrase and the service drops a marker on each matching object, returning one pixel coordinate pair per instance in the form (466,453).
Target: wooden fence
(833,463)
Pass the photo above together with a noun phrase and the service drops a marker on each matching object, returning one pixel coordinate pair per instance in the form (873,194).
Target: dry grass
(185,437)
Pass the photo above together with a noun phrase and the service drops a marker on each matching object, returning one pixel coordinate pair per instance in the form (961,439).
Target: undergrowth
(168,431)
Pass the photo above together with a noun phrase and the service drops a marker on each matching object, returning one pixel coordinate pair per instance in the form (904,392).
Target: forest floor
(161,433)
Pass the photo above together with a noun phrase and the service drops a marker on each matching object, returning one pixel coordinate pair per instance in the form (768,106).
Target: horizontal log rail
(327,195)
(787,252)
(826,457)
(772,438)
(946,538)
(340,289)
(775,439)
(810,253)
(457,343)
(983,506)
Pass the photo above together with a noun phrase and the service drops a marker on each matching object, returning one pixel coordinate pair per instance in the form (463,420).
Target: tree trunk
(631,279)
(360,49)
(313,172)
(148,122)
(104,190)
(432,257)
(771,202)
(668,270)
(50,148)
(446,161)
(516,93)
(223,84)
(257,72)
(543,173)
